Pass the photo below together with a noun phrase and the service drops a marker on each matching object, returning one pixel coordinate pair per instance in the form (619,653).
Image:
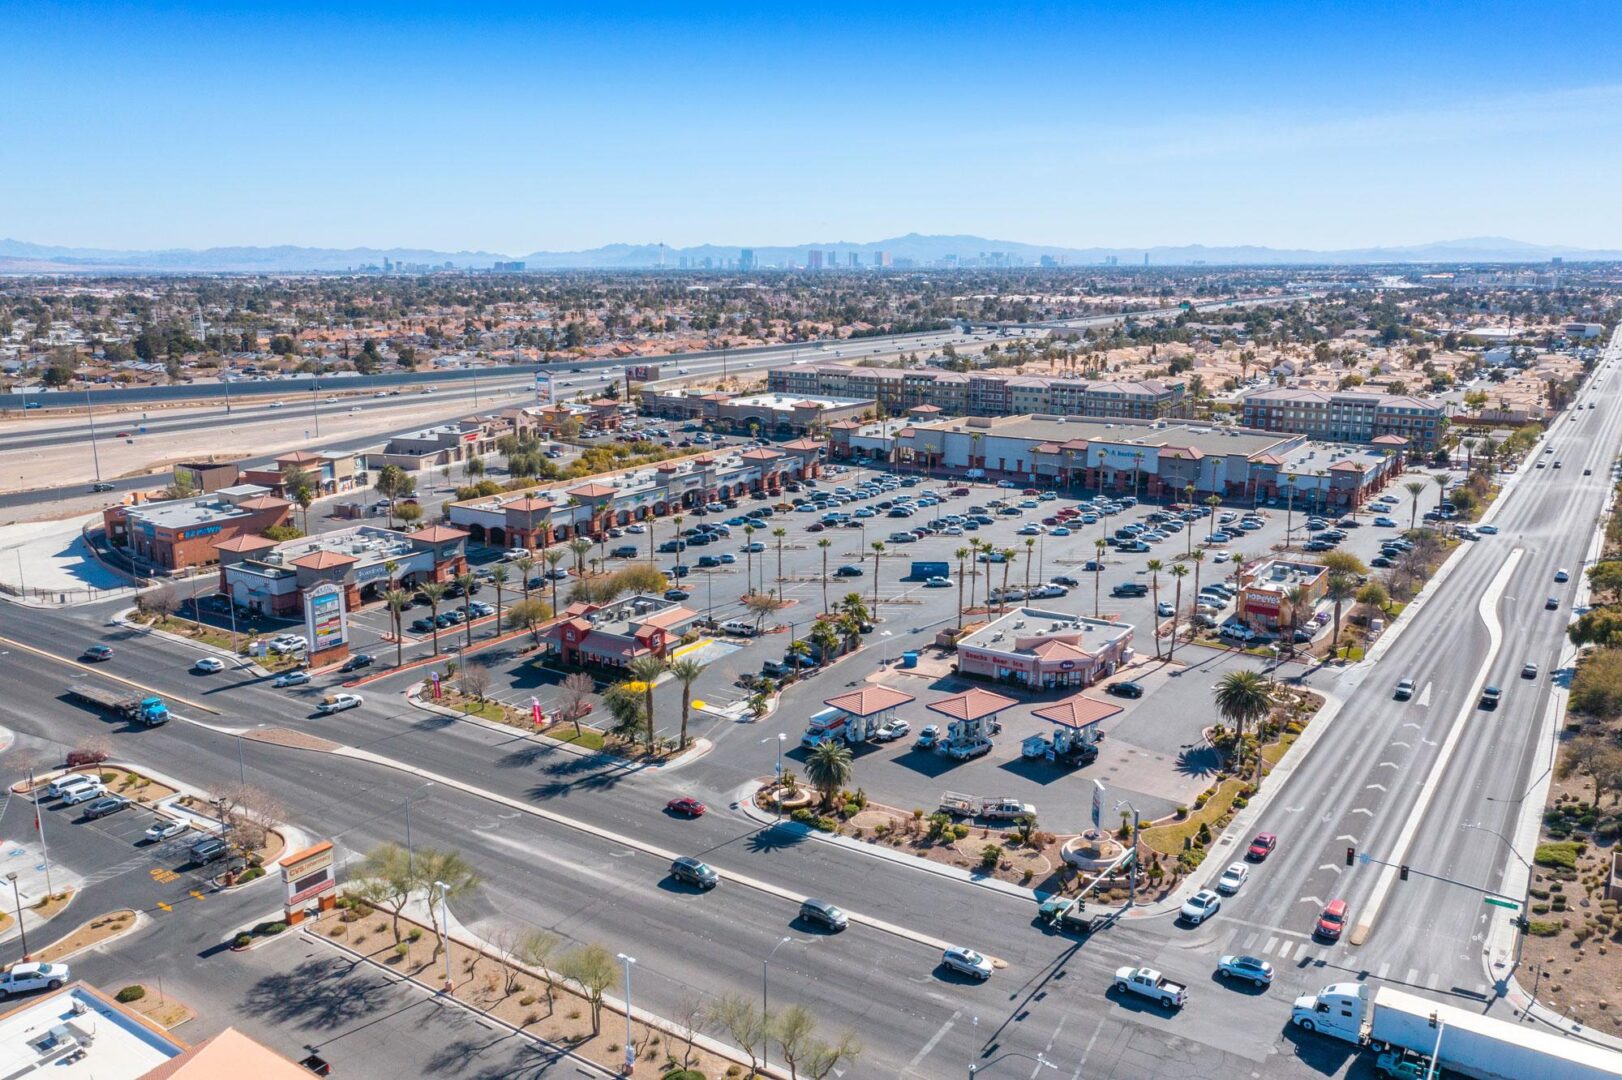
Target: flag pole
(39,827)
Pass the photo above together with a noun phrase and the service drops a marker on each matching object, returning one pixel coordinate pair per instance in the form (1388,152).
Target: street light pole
(1132,870)
(15,895)
(90,415)
(630,1043)
(1436,1050)
(445,930)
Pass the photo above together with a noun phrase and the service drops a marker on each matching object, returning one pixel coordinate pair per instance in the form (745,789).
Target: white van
(64,784)
(84,793)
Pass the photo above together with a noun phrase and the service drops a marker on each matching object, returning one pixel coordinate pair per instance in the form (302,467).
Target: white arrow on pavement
(1331,866)
(1387,765)
(1313,900)
(1361,810)
(1348,837)
(1376,787)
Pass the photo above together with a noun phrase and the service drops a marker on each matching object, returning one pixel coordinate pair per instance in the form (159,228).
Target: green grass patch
(1543,929)
(1168,839)
(588,739)
(485,710)
(1273,751)
(1561,854)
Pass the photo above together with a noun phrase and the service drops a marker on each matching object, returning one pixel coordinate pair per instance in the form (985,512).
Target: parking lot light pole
(630,1043)
(17,896)
(445,929)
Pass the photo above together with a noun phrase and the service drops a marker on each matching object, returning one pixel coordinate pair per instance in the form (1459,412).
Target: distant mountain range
(16,256)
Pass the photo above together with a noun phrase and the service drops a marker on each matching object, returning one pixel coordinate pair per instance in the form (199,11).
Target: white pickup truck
(1151,984)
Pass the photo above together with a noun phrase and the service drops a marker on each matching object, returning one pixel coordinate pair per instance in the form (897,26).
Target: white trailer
(1467,1043)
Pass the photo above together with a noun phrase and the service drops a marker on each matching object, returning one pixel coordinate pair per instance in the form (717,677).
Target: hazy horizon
(509,130)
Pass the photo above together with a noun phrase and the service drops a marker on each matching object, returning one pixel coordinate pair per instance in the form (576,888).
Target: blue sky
(517,127)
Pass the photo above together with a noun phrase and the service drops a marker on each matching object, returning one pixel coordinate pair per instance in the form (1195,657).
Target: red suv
(1332,921)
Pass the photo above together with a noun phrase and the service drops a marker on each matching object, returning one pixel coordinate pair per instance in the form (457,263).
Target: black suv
(824,914)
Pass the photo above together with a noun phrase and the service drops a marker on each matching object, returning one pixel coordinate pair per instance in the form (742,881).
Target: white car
(516,553)
(291,678)
(966,961)
(275,404)
(1165,610)
(338,703)
(1223,556)
(636,528)
(208,665)
(284,643)
(1232,878)
(25,977)
(1199,907)
(166,829)
(893,730)
(84,793)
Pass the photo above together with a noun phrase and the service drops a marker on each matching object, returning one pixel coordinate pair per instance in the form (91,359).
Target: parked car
(358,661)
(84,793)
(1261,847)
(928,737)
(101,808)
(209,849)
(1126,689)
(64,784)
(966,961)
(165,829)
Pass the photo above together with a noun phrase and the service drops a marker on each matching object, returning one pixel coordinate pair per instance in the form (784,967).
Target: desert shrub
(129,994)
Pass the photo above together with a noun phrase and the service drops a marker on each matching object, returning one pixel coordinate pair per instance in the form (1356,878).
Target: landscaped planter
(1091,851)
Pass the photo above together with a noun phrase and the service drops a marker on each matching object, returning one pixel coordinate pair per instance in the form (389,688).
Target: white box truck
(1471,1044)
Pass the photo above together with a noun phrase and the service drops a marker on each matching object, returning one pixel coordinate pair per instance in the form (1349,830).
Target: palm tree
(962,553)
(646,670)
(1030,543)
(1243,697)
(828,767)
(466,582)
(686,671)
(1441,491)
(1289,507)
(1296,599)
(554,557)
(748,558)
(778,534)
(824,544)
(1178,573)
(1008,555)
(498,578)
(1199,558)
(397,599)
(825,638)
(975,551)
(435,592)
(1099,547)
(878,549)
(1340,588)
(1155,566)
(525,564)
(579,546)
(1414,488)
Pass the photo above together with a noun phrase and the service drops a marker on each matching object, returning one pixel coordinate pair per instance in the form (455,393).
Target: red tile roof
(869,700)
(244,543)
(760,453)
(972,704)
(263,502)
(803,444)
(593,491)
(324,560)
(436,534)
(1078,711)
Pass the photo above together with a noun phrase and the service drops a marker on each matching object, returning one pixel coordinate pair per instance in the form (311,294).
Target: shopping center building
(548,513)
(179,533)
(263,576)
(1041,649)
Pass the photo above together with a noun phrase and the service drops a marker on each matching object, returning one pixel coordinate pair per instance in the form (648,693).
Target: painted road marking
(164,906)
(1270,943)
(1385,967)
(162,876)
(1413,977)
(934,1040)
(195,895)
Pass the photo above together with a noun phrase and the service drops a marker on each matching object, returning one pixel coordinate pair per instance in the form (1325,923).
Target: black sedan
(358,661)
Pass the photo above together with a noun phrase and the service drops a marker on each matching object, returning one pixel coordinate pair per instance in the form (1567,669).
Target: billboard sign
(325,620)
(1098,804)
(308,873)
(544,394)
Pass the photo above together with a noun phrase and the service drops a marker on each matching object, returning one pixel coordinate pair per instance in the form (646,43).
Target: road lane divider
(1487,609)
(89,670)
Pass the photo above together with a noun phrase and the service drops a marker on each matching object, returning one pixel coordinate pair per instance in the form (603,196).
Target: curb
(141,920)
(241,662)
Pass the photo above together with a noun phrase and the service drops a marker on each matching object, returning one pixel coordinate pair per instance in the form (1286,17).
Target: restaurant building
(365,561)
(614,634)
(1041,649)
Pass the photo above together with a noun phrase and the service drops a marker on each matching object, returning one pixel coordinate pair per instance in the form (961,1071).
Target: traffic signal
(1351,855)
(1523,924)
(1403,873)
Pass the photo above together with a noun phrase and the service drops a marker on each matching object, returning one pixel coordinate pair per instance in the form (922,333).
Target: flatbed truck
(141,708)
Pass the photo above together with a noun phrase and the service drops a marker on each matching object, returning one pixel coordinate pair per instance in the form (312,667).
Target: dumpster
(909,659)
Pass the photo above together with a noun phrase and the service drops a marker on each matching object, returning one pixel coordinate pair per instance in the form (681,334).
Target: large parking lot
(1153,752)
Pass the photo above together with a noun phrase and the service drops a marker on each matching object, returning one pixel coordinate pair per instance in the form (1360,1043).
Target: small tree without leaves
(474,681)
(536,949)
(688,1019)
(578,689)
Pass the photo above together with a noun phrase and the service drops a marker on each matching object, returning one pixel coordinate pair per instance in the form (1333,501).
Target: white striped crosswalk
(1300,951)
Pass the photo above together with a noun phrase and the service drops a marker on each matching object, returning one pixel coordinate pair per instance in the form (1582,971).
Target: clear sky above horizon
(513,127)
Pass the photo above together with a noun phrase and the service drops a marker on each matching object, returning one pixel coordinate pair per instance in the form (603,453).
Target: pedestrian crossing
(1282,946)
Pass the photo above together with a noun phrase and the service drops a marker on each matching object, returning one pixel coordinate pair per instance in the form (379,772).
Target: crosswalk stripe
(1250,940)
(1385,967)
(1413,976)
(1430,983)
(1270,943)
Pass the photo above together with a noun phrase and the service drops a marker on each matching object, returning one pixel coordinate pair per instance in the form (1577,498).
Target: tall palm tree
(1441,491)
(525,564)
(466,581)
(828,768)
(748,558)
(878,549)
(435,592)
(1414,488)
(498,578)
(554,557)
(1099,547)
(1289,507)
(1199,558)
(1008,556)
(686,670)
(1030,544)
(1178,573)
(778,534)
(1155,566)
(397,599)
(976,549)
(1296,599)
(1339,589)
(962,554)
(580,546)
(646,670)
(824,544)
(1243,697)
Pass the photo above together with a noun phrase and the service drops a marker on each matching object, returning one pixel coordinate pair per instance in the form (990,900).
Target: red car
(1332,921)
(686,805)
(1261,847)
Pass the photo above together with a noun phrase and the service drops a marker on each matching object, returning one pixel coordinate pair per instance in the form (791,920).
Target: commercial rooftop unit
(771,413)
(1043,649)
